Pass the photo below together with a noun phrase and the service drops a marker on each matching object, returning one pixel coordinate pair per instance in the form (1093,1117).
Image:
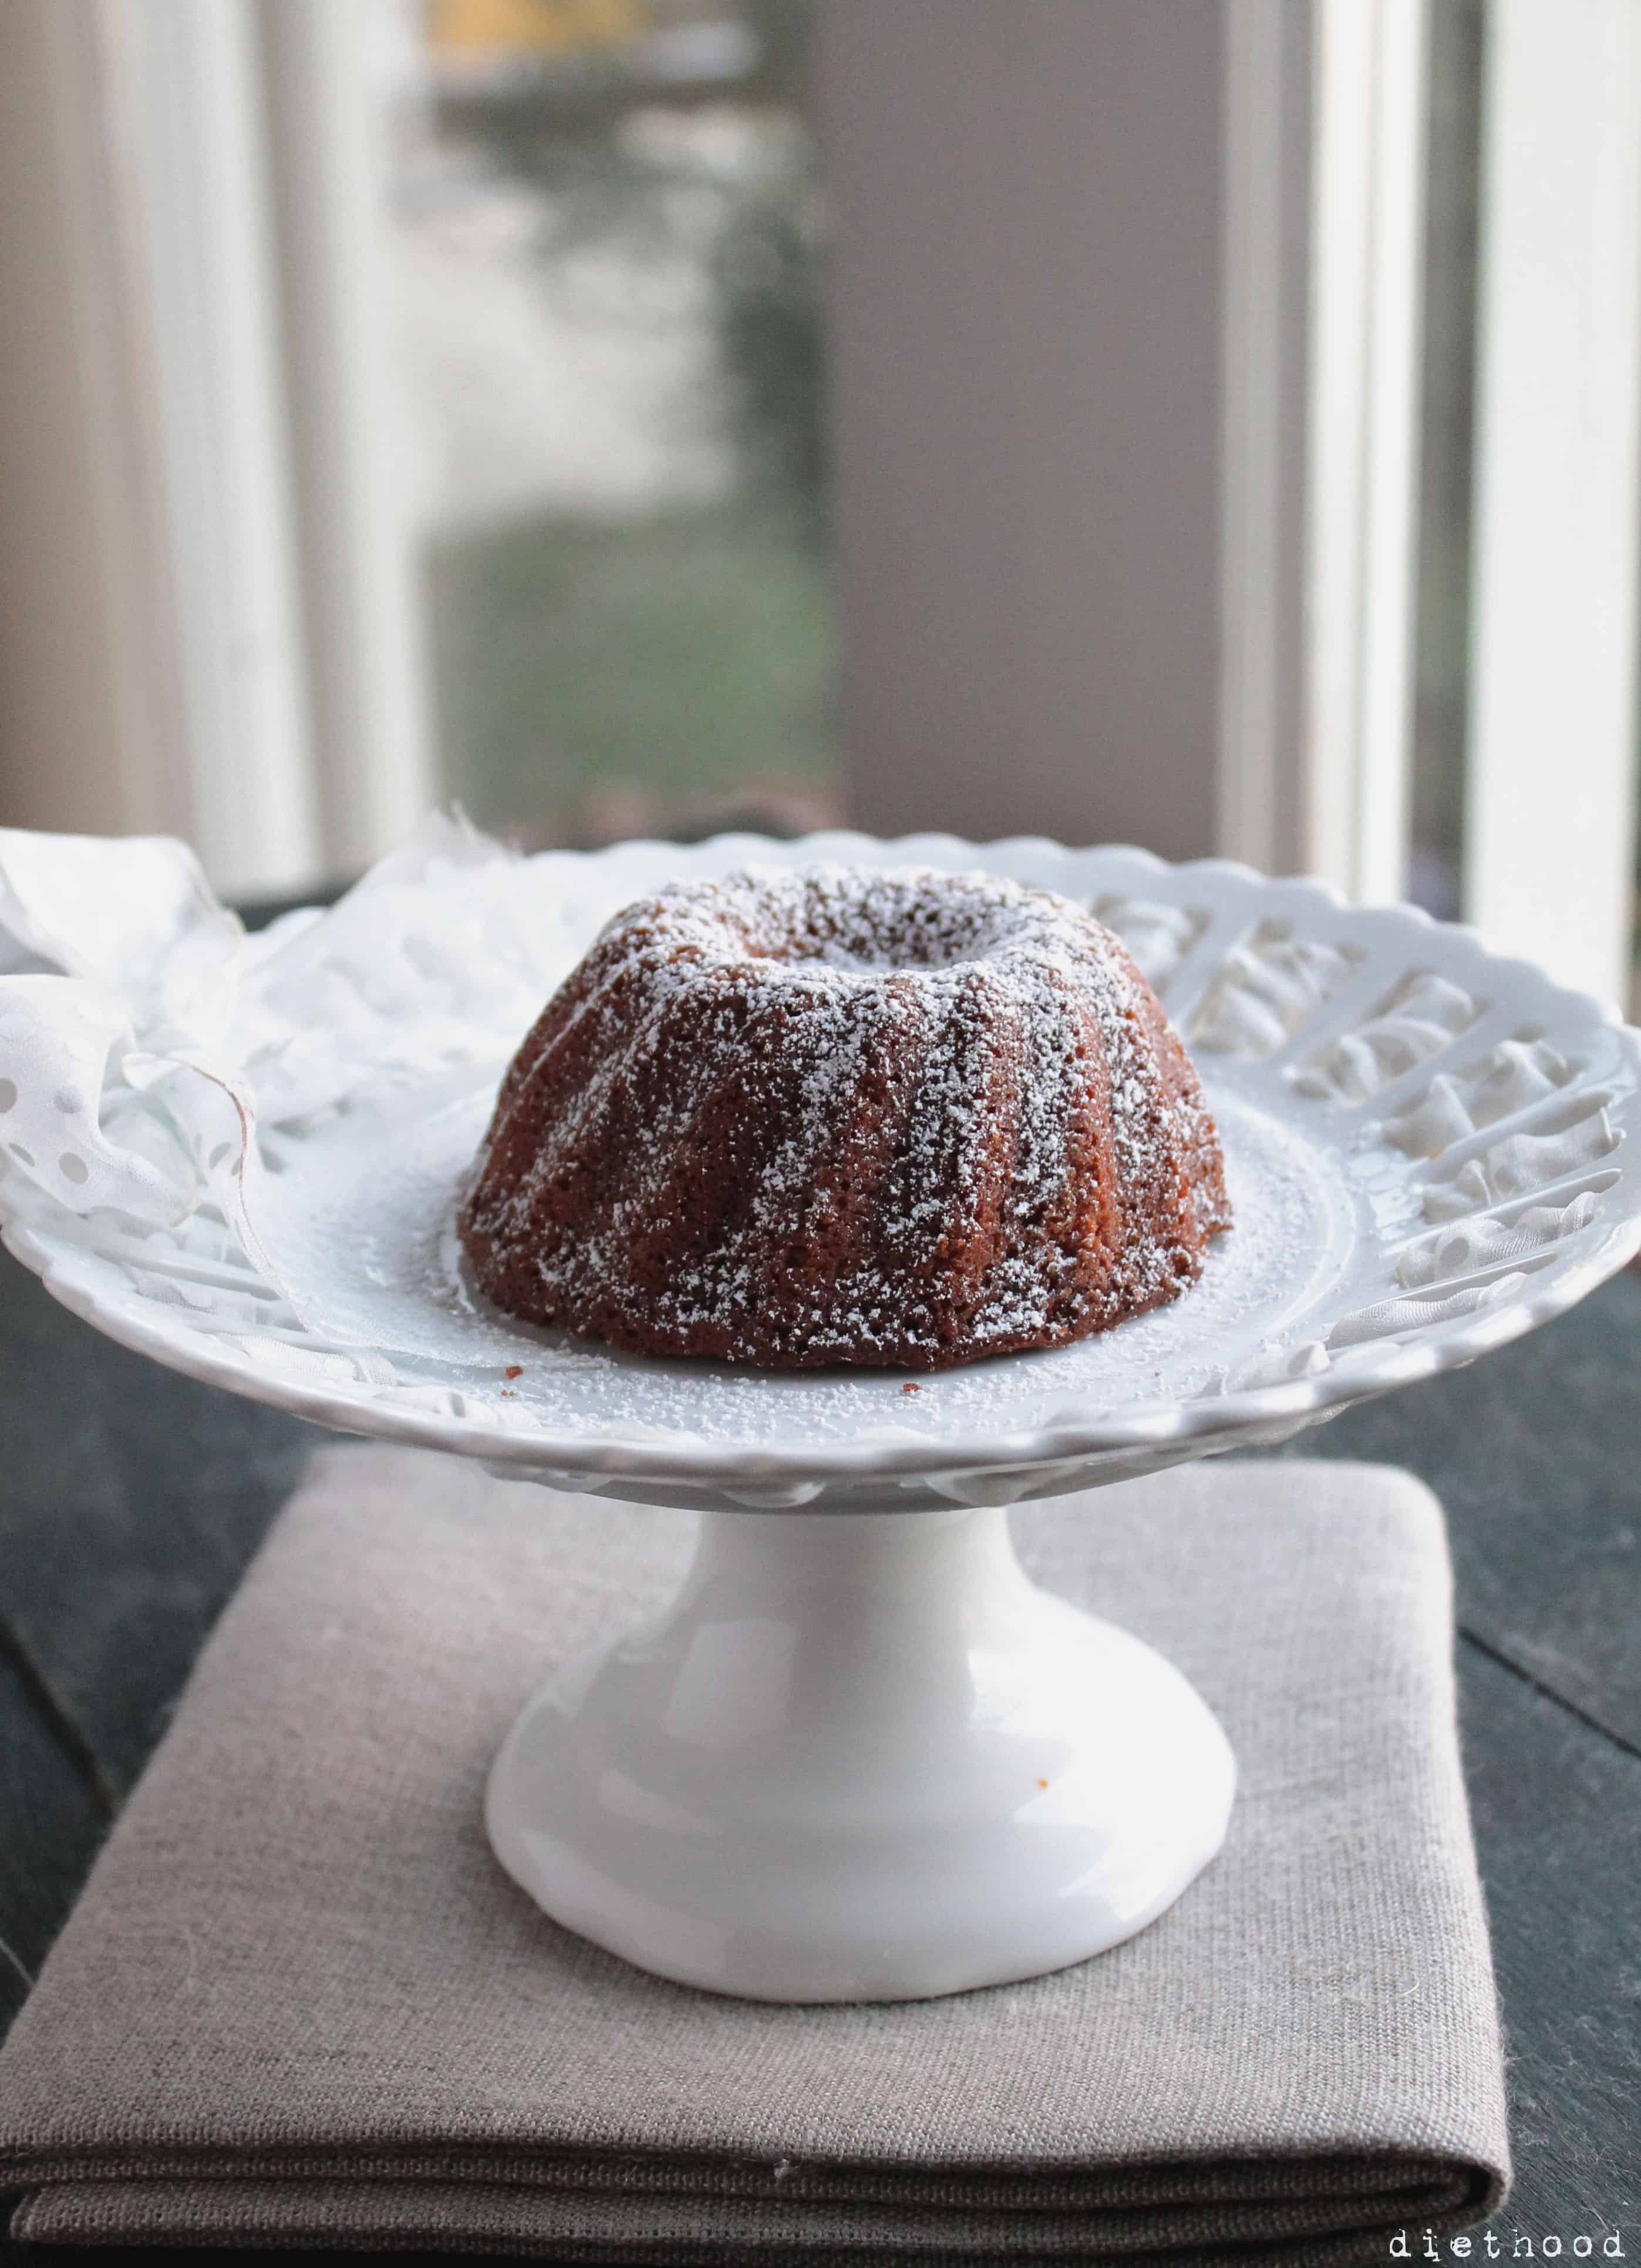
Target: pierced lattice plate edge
(1239,911)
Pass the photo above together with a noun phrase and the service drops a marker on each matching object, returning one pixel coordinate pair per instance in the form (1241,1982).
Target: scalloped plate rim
(700,1463)
(1207,1422)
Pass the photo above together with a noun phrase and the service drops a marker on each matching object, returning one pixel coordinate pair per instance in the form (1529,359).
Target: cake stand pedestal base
(861,1758)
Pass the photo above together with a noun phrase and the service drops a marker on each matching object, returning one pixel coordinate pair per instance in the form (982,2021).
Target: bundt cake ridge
(800,1116)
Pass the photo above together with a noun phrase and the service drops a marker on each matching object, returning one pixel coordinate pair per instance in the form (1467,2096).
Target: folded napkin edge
(1339,2226)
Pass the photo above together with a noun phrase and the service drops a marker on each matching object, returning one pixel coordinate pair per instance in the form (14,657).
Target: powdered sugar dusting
(367,1228)
(812,990)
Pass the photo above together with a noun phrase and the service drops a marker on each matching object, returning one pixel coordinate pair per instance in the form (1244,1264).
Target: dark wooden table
(131,1499)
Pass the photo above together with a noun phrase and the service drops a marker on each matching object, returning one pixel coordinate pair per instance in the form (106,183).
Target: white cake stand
(861,1756)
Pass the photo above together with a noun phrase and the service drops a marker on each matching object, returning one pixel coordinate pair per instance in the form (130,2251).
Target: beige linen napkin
(299,2002)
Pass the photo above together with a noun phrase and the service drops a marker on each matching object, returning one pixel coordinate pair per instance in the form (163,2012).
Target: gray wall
(1025,330)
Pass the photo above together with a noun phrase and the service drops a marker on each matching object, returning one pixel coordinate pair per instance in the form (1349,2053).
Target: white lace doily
(239,1154)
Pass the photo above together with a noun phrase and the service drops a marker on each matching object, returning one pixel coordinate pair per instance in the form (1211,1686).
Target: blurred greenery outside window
(1448,447)
(608,241)
(608,235)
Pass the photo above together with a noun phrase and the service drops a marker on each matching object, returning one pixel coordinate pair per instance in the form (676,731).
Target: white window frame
(1126,346)
(1550,808)
(202,424)
(180,83)
(373,758)
(1371,119)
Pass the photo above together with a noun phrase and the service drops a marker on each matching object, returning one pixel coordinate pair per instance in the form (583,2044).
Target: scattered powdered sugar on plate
(261,1192)
(943,1039)
(363,1227)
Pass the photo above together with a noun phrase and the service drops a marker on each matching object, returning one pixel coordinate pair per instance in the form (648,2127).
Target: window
(1436,851)
(1235,414)
(605,231)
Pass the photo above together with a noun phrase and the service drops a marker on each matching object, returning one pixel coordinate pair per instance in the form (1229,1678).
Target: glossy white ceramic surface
(241,1156)
(862,1758)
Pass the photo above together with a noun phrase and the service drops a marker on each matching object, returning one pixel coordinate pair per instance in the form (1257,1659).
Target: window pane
(606,225)
(1447,449)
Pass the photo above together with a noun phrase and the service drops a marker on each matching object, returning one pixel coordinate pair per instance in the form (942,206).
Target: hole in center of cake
(868,947)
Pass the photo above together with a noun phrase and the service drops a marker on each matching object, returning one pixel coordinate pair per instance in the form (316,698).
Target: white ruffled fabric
(145,1037)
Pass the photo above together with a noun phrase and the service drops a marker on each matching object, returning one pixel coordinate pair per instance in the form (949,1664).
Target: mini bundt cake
(842,1115)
